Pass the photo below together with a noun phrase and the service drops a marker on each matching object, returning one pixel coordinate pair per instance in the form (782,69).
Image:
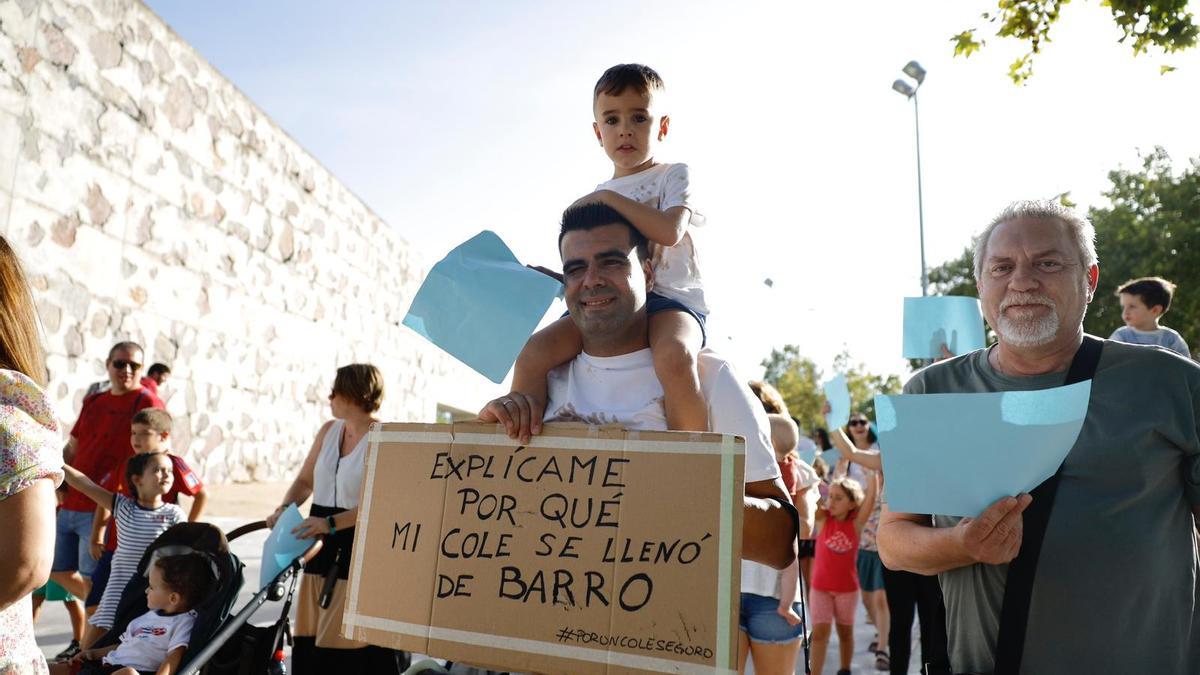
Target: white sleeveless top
(337,480)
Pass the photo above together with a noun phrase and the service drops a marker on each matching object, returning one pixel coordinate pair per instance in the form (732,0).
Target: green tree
(799,380)
(954,277)
(1151,228)
(1145,24)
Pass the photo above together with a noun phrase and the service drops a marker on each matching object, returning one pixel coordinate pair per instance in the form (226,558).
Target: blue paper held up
(956,454)
(837,393)
(282,547)
(480,305)
(936,320)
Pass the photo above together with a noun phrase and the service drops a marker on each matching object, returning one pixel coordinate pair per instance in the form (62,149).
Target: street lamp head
(915,71)
(904,88)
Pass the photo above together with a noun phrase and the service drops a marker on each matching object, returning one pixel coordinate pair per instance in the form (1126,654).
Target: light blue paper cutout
(838,396)
(806,449)
(956,454)
(480,305)
(282,547)
(832,456)
(929,322)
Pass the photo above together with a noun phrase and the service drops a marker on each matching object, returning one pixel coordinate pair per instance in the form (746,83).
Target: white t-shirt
(1161,336)
(149,638)
(624,390)
(676,268)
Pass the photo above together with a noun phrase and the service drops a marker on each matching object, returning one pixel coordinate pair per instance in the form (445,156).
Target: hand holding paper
(282,547)
(931,322)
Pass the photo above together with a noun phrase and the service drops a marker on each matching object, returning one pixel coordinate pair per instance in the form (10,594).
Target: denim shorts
(870,571)
(759,619)
(72,533)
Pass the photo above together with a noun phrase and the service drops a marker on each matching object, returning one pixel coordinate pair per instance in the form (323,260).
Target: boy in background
(149,433)
(1143,302)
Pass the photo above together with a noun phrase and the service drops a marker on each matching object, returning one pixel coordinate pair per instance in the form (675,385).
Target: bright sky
(451,117)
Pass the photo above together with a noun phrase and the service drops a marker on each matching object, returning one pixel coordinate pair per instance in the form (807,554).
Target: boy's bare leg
(546,349)
(787,591)
(78,618)
(75,583)
(675,340)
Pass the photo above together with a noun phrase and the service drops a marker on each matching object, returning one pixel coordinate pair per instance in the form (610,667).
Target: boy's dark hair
(136,466)
(157,368)
(361,383)
(624,75)
(157,419)
(188,575)
(590,216)
(1153,291)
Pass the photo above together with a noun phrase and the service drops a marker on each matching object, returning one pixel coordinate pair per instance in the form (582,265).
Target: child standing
(656,198)
(156,641)
(150,431)
(835,575)
(1143,302)
(139,520)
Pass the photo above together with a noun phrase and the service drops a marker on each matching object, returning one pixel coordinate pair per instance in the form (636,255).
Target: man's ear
(596,128)
(664,124)
(648,272)
(1093,279)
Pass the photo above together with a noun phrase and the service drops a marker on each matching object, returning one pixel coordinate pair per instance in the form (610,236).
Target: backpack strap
(1018,587)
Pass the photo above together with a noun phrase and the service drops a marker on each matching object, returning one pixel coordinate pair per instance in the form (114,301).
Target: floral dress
(30,450)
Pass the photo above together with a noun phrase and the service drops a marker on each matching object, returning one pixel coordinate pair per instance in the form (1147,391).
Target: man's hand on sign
(946,354)
(311,527)
(521,414)
(994,538)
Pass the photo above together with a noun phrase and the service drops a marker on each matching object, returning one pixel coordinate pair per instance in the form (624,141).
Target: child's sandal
(882,661)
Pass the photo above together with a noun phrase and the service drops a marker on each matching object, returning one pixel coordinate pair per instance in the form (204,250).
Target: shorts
(870,571)
(831,606)
(759,619)
(72,533)
(52,592)
(99,579)
(807,549)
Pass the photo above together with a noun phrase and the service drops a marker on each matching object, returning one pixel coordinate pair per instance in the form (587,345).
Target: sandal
(882,661)
(874,646)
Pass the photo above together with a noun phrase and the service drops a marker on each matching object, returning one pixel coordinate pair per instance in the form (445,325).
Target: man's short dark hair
(620,77)
(1153,291)
(590,216)
(129,345)
(157,368)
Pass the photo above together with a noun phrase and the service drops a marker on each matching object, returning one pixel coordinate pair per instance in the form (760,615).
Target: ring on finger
(506,401)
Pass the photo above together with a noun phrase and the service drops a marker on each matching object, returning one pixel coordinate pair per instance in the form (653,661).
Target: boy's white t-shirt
(149,638)
(676,268)
(1161,336)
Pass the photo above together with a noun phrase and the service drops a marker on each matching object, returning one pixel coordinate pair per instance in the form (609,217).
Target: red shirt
(835,565)
(186,482)
(150,384)
(102,433)
(791,473)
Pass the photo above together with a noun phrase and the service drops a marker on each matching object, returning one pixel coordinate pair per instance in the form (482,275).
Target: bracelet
(332,527)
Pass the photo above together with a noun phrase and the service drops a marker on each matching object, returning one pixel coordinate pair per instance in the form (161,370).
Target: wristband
(332,527)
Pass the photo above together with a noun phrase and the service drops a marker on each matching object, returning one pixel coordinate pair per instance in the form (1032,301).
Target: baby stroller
(220,644)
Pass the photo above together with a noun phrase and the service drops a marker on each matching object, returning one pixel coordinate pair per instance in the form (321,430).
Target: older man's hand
(521,414)
(994,538)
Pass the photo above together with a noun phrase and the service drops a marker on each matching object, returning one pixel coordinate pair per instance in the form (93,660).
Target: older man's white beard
(1031,332)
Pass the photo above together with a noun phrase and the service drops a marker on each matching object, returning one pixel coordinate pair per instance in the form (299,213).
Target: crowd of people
(1012,590)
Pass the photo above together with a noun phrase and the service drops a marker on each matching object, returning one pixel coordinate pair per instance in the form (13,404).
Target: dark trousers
(906,591)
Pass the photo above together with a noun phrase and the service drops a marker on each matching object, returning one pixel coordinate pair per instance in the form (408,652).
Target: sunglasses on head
(121,364)
(858,423)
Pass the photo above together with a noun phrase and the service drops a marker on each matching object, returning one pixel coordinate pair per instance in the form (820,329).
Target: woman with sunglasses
(860,460)
(30,468)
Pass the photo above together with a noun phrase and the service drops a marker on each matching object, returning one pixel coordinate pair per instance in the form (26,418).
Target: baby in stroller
(154,642)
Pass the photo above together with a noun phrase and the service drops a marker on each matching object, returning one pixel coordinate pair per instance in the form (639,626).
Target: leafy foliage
(1145,24)
(1151,228)
(799,380)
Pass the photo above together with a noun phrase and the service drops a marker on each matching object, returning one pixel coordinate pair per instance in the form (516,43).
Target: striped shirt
(137,528)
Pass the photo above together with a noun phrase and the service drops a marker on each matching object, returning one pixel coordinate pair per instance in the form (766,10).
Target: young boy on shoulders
(630,122)
(1143,302)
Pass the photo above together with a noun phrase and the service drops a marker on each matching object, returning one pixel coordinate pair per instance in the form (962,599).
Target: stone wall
(150,200)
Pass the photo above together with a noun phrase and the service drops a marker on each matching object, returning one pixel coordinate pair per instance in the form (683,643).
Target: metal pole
(920,199)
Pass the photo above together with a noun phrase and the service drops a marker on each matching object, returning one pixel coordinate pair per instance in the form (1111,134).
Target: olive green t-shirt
(1116,588)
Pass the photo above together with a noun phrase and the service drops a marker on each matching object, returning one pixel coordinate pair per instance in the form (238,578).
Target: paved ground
(236,505)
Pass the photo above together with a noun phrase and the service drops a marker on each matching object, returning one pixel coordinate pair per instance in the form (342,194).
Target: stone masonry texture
(150,200)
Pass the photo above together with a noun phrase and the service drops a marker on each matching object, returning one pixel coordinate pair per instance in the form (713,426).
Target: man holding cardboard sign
(1045,583)
(607,272)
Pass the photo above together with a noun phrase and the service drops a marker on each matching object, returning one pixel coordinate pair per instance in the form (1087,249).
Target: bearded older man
(1114,588)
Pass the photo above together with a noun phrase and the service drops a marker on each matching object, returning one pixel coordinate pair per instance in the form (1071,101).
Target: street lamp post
(916,72)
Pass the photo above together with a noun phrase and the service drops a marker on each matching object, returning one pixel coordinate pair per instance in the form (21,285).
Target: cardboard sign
(591,550)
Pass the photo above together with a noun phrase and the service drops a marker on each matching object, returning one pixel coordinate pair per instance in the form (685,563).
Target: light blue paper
(956,454)
(951,320)
(282,547)
(838,396)
(832,456)
(807,450)
(480,305)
